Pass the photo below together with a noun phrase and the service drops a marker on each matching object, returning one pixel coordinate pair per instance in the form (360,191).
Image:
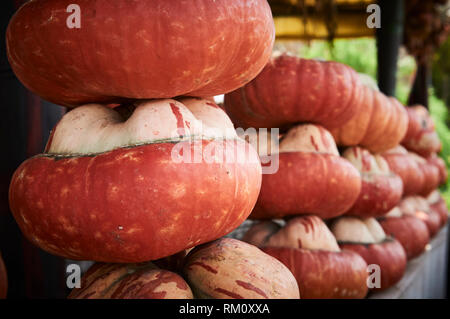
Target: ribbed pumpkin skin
(291,90)
(418,178)
(133,204)
(379,194)
(131,281)
(3,280)
(408,170)
(381,189)
(139,49)
(308,183)
(389,255)
(421,136)
(323,274)
(441,208)
(432,178)
(432,220)
(410,231)
(232,269)
(380,124)
(352,133)
(437,161)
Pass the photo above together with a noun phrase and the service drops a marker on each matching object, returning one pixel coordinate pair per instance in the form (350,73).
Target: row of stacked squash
(326,217)
(124,178)
(379,199)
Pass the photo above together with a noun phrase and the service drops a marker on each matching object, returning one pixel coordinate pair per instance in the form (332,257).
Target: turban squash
(410,231)
(437,161)
(419,176)
(438,204)
(418,206)
(131,281)
(367,238)
(126,50)
(381,189)
(308,248)
(291,90)
(421,136)
(116,189)
(380,124)
(230,268)
(223,269)
(311,179)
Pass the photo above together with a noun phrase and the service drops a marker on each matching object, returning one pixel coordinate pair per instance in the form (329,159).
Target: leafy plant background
(361,55)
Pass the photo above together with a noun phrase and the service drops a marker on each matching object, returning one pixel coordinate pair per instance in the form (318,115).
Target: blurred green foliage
(441,72)
(361,55)
(439,113)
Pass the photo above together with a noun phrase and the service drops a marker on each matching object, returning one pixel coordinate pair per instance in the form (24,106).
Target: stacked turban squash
(358,172)
(141,175)
(134,175)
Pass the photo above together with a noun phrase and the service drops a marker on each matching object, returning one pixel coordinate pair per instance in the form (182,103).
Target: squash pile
(225,268)
(143,167)
(329,213)
(146,174)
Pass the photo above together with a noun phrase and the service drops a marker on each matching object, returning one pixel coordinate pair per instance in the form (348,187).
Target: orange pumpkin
(308,248)
(131,281)
(141,188)
(409,230)
(421,136)
(291,90)
(138,49)
(311,179)
(381,189)
(232,269)
(367,238)
(379,125)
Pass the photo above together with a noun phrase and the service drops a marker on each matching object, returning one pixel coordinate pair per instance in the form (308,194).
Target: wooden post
(419,91)
(389,38)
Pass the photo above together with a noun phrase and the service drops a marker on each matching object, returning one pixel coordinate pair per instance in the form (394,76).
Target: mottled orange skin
(3,280)
(421,136)
(309,232)
(432,219)
(410,231)
(195,48)
(231,269)
(389,255)
(323,274)
(352,132)
(132,204)
(291,90)
(441,208)
(437,161)
(379,194)
(309,249)
(131,281)
(431,176)
(379,125)
(308,183)
(381,189)
(410,171)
